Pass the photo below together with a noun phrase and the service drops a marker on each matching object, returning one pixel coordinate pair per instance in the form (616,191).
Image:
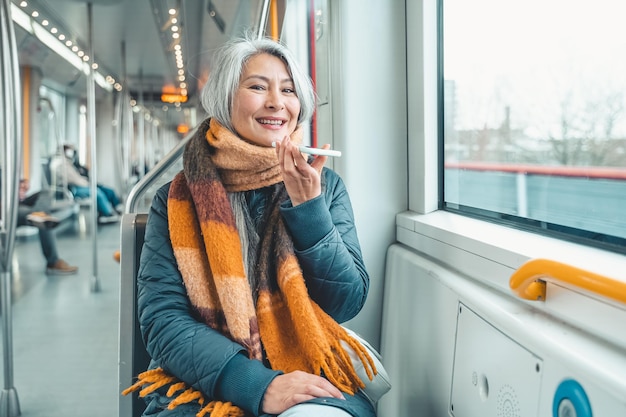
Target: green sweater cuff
(243,382)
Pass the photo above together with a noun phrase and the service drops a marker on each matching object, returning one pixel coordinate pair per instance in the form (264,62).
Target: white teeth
(271,122)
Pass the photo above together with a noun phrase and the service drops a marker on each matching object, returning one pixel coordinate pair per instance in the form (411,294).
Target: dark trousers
(47,239)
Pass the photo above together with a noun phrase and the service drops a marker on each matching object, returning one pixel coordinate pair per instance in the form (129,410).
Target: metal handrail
(529,281)
(162,166)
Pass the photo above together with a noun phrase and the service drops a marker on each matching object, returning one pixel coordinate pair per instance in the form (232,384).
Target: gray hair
(217,94)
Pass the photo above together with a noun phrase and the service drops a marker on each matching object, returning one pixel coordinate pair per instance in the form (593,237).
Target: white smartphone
(316,151)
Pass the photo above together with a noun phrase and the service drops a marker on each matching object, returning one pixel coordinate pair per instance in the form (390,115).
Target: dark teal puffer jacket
(327,247)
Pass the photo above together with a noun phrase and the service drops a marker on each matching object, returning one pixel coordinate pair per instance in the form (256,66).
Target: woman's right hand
(302,181)
(296,387)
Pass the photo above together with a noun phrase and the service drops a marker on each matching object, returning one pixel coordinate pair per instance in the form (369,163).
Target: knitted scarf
(294,331)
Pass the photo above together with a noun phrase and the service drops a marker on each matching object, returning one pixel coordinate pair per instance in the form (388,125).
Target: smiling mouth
(271,122)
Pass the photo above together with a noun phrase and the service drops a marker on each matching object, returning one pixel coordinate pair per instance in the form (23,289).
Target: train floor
(65,334)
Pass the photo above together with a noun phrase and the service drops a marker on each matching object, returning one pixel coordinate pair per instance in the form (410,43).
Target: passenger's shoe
(120,209)
(42,220)
(61,267)
(113,218)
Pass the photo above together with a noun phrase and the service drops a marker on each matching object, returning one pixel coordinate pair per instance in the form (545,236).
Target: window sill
(490,253)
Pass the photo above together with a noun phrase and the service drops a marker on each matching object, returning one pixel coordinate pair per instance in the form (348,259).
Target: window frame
(483,251)
(556,230)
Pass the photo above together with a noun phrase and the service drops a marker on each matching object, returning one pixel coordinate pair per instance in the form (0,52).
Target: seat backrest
(59,191)
(133,358)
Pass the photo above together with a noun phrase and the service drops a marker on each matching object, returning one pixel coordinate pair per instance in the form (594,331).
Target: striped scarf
(295,332)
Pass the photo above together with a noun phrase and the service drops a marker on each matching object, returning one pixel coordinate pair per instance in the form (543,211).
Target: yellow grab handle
(529,281)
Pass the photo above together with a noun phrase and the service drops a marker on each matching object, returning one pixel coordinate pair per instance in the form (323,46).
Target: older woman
(251,258)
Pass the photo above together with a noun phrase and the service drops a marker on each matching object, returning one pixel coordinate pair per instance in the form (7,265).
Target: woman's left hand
(302,180)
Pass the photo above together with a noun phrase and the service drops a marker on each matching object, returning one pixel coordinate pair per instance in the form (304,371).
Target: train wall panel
(455,347)
(419,320)
(369,124)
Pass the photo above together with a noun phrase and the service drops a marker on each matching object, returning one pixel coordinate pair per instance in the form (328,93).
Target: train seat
(59,192)
(133,358)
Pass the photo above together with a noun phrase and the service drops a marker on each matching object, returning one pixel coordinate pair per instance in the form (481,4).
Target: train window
(534,116)
(52,120)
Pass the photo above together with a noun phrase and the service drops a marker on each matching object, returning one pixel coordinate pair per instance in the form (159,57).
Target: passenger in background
(108,203)
(251,257)
(33,210)
(110,193)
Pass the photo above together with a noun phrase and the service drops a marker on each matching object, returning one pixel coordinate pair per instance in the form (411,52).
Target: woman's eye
(288,90)
(257,87)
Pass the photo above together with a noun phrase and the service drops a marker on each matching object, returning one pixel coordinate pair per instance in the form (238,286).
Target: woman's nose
(274,100)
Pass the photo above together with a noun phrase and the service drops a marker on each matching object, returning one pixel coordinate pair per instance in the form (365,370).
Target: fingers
(293,388)
(319,161)
(302,181)
(298,158)
(290,156)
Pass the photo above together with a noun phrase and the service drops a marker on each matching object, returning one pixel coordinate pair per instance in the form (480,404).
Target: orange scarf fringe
(157,378)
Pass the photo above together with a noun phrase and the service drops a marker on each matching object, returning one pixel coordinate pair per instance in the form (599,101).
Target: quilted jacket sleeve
(188,349)
(328,249)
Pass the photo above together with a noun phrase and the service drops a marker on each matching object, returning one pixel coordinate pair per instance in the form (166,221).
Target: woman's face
(265,106)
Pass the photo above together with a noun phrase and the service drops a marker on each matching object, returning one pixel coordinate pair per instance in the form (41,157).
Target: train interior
(472,317)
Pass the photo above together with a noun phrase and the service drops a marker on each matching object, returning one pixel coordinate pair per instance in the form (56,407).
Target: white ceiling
(136,27)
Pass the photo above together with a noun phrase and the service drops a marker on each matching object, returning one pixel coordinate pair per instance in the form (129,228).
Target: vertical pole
(11,118)
(141,131)
(265,10)
(9,402)
(522,194)
(122,120)
(313,64)
(91,108)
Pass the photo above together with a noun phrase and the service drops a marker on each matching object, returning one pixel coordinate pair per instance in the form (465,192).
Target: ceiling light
(38,31)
